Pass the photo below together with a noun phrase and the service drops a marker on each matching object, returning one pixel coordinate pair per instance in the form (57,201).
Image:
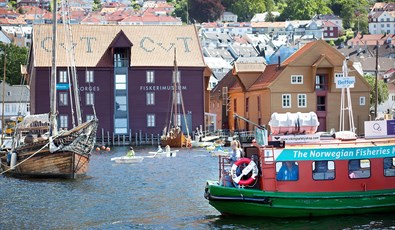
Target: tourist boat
(127,159)
(40,149)
(335,177)
(304,175)
(172,133)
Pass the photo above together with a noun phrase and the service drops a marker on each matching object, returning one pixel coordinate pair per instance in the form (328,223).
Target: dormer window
(9,93)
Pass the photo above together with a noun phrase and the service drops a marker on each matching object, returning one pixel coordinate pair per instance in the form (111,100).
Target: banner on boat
(300,154)
(380,129)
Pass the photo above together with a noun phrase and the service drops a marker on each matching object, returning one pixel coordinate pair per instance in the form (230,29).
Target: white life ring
(250,167)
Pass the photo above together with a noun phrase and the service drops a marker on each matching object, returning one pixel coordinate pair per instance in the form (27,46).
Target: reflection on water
(157,193)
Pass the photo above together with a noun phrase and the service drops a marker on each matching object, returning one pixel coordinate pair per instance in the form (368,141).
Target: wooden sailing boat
(173,135)
(40,149)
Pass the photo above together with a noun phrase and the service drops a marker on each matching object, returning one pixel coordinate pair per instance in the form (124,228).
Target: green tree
(246,9)
(381,87)
(205,10)
(16,56)
(304,9)
(96,5)
(180,10)
(353,12)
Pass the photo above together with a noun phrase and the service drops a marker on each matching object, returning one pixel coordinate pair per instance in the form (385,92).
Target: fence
(135,139)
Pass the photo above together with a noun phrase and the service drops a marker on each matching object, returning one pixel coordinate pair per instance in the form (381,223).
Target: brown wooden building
(125,72)
(304,82)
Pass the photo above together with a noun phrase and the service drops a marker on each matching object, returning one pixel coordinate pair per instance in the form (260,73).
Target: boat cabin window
(389,166)
(358,168)
(323,170)
(287,170)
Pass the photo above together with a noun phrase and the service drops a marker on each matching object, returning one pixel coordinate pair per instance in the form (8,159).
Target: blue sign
(336,153)
(62,86)
(390,127)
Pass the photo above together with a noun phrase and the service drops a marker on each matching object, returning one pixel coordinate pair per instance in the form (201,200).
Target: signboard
(62,86)
(261,136)
(378,129)
(302,138)
(345,82)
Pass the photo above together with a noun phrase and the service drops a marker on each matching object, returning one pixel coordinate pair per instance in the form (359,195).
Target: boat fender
(13,160)
(250,167)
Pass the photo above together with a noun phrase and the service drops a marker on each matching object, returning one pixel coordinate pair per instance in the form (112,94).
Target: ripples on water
(158,193)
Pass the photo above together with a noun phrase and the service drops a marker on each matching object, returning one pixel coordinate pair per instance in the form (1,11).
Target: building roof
(14,93)
(151,45)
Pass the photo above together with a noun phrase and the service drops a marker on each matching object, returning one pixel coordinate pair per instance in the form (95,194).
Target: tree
(16,56)
(246,9)
(180,10)
(382,90)
(304,9)
(205,10)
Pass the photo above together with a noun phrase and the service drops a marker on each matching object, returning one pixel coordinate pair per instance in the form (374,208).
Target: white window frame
(120,82)
(297,79)
(63,99)
(150,98)
(286,101)
(89,98)
(150,120)
(150,76)
(90,117)
(362,100)
(89,76)
(63,76)
(63,121)
(302,100)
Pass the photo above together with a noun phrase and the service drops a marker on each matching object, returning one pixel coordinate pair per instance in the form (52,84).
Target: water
(158,193)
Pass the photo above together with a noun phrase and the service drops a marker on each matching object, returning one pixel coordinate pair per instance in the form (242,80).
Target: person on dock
(130,152)
(236,152)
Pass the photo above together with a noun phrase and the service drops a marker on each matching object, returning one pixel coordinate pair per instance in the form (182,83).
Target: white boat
(171,153)
(127,160)
(217,153)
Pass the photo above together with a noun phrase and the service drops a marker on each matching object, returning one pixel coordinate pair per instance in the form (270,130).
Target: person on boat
(236,152)
(159,149)
(130,152)
(288,171)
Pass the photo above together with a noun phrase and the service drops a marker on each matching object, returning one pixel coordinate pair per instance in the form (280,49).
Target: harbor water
(158,193)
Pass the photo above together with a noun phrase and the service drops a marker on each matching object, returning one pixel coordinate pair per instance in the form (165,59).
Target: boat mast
(52,118)
(343,102)
(175,92)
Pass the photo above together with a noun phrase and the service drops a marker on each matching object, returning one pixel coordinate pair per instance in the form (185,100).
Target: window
(389,166)
(296,79)
(287,170)
(63,121)
(63,99)
(150,98)
(150,120)
(120,81)
(89,76)
(62,76)
(320,82)
(286,101)
(90,117)
(362,101)
(247,100)
(179,98)
(321,106)
(358,168)
(150,77)
(89,96)
(323,170)
(302,100)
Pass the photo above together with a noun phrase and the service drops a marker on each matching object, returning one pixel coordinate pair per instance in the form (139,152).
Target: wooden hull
(68,158)
(66,165)
(179,140)
(251,202)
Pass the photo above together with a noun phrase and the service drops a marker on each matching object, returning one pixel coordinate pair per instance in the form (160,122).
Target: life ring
(250,167)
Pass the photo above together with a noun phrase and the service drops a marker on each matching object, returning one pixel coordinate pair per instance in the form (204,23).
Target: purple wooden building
(125,72)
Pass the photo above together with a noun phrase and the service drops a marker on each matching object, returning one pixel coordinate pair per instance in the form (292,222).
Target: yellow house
(304,82)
